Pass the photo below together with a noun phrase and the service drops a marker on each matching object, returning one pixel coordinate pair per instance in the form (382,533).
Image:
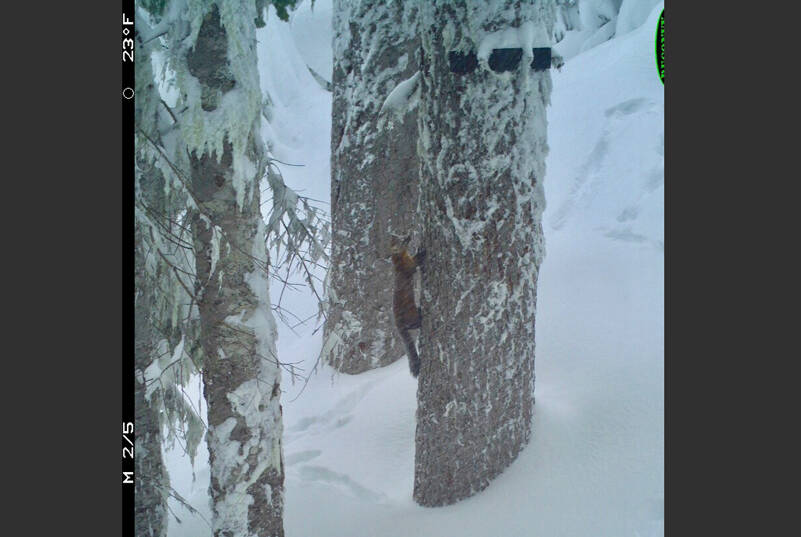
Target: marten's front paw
(421,256)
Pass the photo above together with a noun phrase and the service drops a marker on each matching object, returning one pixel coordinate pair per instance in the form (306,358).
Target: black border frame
(62,266)
(128,249)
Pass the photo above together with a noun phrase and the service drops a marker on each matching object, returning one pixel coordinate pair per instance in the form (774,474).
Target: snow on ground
(594,467)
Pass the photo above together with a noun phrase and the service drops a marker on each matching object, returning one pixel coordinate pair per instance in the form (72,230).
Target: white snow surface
(595,464)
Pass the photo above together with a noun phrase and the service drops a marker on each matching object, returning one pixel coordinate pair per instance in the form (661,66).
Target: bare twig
(273,159)
(174,494)
(175,120)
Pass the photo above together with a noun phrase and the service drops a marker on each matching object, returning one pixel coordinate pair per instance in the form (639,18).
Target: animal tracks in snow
(582,182)
(302,456)
(321,474)
(336,417)
(626,108)
(617,164)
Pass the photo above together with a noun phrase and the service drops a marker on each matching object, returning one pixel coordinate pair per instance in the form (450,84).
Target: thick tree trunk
(241,374)
(374,179)
(483,146)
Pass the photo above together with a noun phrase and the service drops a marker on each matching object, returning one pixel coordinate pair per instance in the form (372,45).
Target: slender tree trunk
(213,150)
(241,377)
(151,481)
(374,179)
(483,146)
(241,374)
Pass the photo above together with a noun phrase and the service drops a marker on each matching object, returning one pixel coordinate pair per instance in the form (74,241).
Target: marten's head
(399,243)
(399,250)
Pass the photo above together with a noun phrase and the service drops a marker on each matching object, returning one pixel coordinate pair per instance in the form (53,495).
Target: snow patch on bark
(526,36)
(204,131)
(404,97)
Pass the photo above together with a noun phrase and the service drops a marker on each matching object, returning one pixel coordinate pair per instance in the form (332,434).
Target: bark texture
(241,379)
(482,147)
(374,179)
(241,375)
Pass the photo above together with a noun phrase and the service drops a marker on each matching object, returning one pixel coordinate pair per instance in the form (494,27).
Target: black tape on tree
(462,63)
(505,59)
(501,60)
(542,59)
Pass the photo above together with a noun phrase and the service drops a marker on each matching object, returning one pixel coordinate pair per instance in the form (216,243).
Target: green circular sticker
(660,46)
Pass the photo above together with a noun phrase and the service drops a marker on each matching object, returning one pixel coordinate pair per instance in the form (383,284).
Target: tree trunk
(483,146)
(151,478)
(241,377)
(241,374)
(151,481)
(374,179)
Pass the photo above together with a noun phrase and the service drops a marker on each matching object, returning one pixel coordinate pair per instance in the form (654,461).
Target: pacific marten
(407,314)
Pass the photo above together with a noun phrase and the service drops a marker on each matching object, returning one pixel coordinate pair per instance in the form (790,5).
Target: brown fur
(407,314)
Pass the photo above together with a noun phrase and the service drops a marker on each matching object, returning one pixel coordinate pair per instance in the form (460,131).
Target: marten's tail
(411,351)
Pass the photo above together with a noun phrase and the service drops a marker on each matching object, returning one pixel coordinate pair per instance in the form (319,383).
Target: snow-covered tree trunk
(212,50)
(483,147)
(151,481)
(241,376)
(374,179)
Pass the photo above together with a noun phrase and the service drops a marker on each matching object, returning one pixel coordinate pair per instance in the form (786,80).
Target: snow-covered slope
(594,467)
